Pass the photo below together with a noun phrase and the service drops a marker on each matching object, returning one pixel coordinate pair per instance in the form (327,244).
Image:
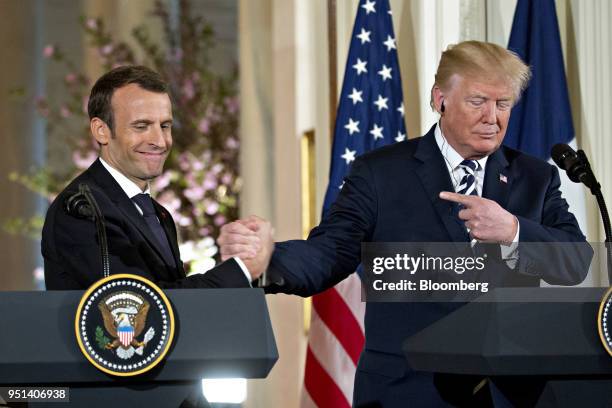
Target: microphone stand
(98,219)
(603,210)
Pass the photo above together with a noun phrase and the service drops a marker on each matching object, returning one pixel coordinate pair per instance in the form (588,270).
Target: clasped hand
(250,239)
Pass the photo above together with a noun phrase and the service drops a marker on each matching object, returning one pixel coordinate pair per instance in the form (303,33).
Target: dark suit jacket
(391,195)
(72,255)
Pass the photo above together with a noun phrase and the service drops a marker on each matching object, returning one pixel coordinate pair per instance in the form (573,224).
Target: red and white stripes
(334,344)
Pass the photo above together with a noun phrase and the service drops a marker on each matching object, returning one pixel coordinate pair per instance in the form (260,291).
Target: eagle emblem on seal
(124,315)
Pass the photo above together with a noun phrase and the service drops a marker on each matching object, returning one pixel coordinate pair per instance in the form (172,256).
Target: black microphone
(576,165)
(78,206)
(84,205)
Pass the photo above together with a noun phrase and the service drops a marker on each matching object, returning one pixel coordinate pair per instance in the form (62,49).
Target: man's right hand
(251,239)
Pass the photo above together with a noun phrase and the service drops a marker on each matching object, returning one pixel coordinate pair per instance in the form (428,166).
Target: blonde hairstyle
(476,59)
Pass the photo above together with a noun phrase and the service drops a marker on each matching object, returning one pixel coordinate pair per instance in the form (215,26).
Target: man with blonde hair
(455,184)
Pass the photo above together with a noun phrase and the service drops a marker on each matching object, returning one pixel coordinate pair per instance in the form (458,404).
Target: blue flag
(371,108)
(543,116)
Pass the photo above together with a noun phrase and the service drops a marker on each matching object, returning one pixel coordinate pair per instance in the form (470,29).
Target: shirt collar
(128,186)
(452,158)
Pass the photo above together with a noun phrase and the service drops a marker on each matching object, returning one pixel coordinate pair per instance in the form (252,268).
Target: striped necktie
(467,185)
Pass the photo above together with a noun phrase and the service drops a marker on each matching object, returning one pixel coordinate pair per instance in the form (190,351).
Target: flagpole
(333,69)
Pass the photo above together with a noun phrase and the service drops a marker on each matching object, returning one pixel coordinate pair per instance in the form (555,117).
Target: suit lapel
(126,206)
(435,178)
(498,180)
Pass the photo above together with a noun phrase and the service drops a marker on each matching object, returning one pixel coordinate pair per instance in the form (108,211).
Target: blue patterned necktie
(148,212)
(467,185)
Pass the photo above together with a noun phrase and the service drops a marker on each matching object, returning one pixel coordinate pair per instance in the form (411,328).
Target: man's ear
(438,99)
(100,130)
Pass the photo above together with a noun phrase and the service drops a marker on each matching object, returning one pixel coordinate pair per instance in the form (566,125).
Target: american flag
(370,115)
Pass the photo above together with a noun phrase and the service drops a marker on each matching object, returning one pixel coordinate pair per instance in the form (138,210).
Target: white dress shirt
(452,159)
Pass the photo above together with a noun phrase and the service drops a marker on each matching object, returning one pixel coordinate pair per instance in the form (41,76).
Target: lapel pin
(503,178)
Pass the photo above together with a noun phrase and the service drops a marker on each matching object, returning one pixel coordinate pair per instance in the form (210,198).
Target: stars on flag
(364,36)
(370,110)
(385,73)
(381,103)
(377,132)
(352,126)
(360,66)
(355,96)
(390,43)
(369,7)
(349,155)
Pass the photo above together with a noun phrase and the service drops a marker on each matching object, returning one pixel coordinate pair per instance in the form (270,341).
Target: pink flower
(188,89)
(83,161)
(106,49)
(162,181)
(184,162)
(91,23)
(204,231)
(232,143)
(217,168)
(204,125)
(48,51)
(197,165)
(194,194)
(65,112)
(178,54)
(232,104)
(170,201)
(212,207)
(220,220)
(227,179)
(70,78)
(184,221)
(85,103)
(190,180)
(210,182)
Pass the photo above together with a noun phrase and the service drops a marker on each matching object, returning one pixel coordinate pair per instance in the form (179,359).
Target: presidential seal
(604,321)
(124,325)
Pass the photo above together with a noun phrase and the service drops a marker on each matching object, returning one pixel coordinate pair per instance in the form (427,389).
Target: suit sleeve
(554,249)
(225,275)
(333,249)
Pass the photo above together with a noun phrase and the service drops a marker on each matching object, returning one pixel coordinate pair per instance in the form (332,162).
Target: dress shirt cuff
(509,253)
(245,270)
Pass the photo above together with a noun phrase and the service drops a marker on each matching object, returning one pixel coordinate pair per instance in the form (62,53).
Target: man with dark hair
(131,119)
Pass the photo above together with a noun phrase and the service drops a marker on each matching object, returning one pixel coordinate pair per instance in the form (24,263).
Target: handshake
(250,239)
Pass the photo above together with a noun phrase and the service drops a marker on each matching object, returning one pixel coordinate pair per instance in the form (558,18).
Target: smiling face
(142,136)
(476,114)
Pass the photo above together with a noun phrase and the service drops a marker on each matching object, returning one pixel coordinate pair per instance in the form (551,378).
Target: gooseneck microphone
(578,169)
(84,205)
(576,165)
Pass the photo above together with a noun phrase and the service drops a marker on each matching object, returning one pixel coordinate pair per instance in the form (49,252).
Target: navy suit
(391,195)
(72,255)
